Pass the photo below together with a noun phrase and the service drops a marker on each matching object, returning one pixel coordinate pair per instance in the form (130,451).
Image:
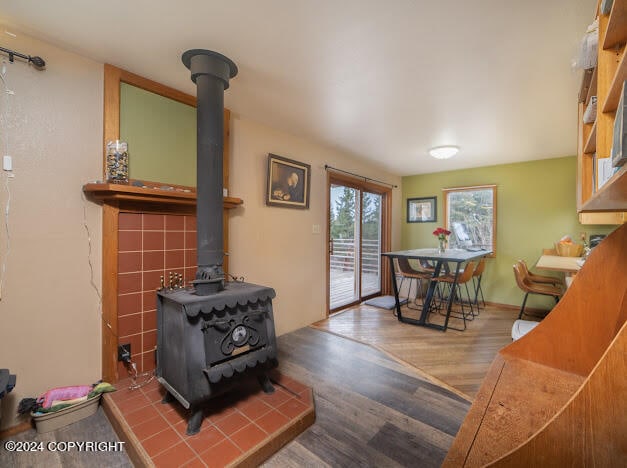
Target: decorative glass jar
(441,245)
(117,162)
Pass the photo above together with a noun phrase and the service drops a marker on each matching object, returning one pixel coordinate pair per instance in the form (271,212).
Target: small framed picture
(287,183)
(422,210)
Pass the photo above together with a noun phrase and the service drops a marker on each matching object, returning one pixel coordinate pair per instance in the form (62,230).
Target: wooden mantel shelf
(122,192)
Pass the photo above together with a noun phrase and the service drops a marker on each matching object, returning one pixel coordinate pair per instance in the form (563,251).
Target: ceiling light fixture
(444,152)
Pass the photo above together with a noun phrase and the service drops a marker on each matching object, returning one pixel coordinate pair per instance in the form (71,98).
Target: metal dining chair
(476,282)
(408,272)
(462,279)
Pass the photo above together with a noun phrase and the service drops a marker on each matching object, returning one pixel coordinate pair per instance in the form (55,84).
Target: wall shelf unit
(606,204)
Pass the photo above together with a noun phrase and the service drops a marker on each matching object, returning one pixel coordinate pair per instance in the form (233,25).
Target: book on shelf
(604,171)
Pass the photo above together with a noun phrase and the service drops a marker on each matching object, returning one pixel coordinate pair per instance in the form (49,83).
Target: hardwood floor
(371,410)
(53,454)
(458,359)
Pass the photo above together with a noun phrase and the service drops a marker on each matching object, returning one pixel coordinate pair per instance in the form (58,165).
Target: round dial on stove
(239,335)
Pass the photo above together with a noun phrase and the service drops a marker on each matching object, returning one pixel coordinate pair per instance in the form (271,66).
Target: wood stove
(214,334)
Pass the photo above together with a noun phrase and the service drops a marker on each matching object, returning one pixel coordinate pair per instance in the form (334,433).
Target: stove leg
(265,383)
(167,398)
(194,422)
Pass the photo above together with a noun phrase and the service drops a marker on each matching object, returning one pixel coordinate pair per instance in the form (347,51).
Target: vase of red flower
(442,235)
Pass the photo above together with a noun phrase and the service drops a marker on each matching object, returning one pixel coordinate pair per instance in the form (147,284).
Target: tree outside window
(471,217)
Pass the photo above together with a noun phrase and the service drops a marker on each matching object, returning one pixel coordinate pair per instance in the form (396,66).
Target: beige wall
(275,246)
(49,322)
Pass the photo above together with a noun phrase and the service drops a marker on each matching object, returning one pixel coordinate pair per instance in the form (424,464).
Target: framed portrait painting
(288,182)
(422,210)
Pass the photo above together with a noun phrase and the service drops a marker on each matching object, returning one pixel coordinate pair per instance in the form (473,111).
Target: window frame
(447,191)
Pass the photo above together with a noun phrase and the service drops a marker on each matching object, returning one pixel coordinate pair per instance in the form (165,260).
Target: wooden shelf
(616,32)
(122,192)
(586,82)
(592,90)
(612,196)
(613,96)
(591,143)
(609,204)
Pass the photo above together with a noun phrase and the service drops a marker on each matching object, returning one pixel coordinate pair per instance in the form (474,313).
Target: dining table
(567,265)
(439,260)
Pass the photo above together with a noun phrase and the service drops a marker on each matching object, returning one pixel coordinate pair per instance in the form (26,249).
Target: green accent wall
(536,206)
(161,137)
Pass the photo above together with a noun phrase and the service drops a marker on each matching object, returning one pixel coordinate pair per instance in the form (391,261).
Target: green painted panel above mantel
(161,136)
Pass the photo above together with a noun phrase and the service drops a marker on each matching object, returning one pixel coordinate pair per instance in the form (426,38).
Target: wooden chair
(540,278)
(556,396)
(462,279)
(408,272)
(529,287)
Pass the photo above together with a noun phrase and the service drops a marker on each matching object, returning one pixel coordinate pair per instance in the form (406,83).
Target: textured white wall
(49,322)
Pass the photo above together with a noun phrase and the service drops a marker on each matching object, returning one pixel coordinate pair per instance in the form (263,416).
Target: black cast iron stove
(214,335)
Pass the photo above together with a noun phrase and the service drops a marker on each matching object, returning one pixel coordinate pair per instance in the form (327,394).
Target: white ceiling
(382,80)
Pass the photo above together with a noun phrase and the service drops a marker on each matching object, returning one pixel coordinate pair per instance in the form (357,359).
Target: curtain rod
(38,62)
(366,179)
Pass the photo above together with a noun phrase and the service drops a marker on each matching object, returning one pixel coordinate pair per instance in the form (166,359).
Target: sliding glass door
(371,244)
(355,242)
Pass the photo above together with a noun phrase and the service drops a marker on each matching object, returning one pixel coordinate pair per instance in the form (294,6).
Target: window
(470,215)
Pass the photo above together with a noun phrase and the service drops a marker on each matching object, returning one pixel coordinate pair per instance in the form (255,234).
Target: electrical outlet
(7,163)
(124,352)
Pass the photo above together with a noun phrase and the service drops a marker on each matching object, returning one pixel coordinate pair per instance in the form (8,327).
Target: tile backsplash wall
(149,246)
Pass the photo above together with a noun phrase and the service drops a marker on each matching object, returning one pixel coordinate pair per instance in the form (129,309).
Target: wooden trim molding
(493,187)
(386,227)
(17,429)
(110,193)
(109,309)
(152,199)
(114,76)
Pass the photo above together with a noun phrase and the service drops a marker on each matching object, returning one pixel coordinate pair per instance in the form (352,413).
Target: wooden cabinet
(606,204)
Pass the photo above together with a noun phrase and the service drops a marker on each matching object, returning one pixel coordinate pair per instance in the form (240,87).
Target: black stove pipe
(211,72)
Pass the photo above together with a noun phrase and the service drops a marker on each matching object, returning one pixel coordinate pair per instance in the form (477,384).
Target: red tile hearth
(150,246)
(243,427)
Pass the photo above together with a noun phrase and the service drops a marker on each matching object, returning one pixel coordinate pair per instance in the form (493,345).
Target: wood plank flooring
(459,359)
(371,410)
(94,428)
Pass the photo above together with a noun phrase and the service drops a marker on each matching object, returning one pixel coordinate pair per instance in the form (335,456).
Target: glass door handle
(331,246)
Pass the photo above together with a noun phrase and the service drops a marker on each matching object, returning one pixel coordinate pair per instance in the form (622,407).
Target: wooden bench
(557,396)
